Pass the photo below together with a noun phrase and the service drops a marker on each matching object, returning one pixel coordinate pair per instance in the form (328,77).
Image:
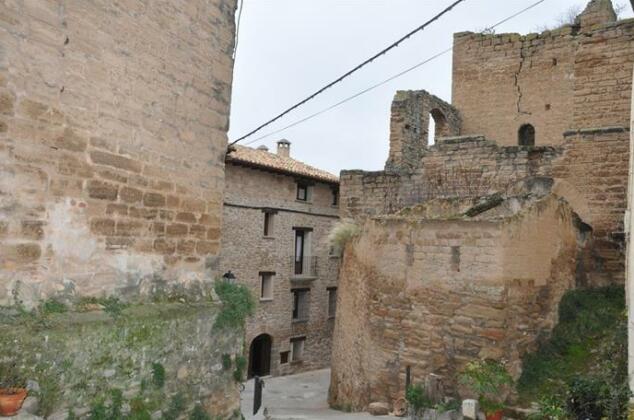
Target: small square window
(297,349)
(302,192)
(266,285)
(332,302)
(284,357)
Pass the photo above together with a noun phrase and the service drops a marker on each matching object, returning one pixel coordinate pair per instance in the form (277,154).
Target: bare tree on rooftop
(569,17)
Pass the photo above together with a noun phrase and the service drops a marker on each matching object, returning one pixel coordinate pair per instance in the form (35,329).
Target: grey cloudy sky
(290,48)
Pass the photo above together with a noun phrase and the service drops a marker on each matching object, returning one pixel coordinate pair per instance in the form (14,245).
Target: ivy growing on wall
(237,304)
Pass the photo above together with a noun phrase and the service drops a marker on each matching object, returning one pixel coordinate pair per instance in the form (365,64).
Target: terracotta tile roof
(262,159)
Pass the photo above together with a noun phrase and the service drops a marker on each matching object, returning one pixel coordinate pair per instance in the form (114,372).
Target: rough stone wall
(594,167)
(573,84)
(247,252)
(575,77)
(590,166)
(411,113)
(501,82)
(465,166)
(453,291)
(113,120)
(82,357)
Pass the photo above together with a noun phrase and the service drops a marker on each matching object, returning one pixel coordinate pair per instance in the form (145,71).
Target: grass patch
(587,320)
(342,233)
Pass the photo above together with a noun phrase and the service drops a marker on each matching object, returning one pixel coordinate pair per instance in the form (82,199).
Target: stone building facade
(555,105)
(278,213)
(113,121)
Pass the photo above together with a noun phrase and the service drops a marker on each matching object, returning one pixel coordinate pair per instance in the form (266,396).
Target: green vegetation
(49,394)
(175,408)
(489,379)
(417,398)
(420,402)
(83,353)
(52,306)
(581,371)
(241,365)
(226,361)
(158,375)
(107,408)
(237,305)
(139,409)
(199,413)
(11,376)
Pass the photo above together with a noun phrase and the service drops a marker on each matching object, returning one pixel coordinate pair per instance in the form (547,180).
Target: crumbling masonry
(433,287)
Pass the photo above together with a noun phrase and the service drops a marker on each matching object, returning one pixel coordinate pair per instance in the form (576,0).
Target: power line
(389,79)
(355,69)
(349,98)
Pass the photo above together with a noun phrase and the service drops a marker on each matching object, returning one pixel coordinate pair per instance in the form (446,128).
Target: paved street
(297,397)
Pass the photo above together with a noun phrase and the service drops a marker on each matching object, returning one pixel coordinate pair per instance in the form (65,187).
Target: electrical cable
(409,69)
(355,69)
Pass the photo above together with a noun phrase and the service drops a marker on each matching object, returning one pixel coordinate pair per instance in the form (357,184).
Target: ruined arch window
(526,135)
(437,126)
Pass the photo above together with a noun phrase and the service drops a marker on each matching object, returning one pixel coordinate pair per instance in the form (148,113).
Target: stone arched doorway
(260,356)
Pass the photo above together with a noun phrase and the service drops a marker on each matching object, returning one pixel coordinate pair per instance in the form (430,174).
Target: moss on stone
(587,319)
(80,358)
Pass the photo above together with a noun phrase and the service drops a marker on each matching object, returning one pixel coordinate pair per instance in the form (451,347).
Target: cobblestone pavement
(297,397)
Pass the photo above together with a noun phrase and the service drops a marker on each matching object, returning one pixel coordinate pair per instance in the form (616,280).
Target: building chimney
(284,148)
(263,148)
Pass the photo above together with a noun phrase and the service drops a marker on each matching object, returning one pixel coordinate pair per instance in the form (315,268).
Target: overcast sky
(290,48)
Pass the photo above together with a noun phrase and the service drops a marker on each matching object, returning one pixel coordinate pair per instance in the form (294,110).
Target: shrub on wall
(237,304)
(342,233)
(581,371)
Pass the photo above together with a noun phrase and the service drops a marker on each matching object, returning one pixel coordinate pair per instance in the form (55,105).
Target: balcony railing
(304,266)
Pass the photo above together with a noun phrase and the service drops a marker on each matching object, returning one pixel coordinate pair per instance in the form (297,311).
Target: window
(302,259)
(302,191)
(438,126)
(334,251)
(297,349)
(284,357)
(266,285)
(269,217)
(300,304)
(332,302)
(335,196)
(526,135)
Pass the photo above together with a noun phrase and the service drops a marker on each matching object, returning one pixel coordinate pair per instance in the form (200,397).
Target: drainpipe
(629,259)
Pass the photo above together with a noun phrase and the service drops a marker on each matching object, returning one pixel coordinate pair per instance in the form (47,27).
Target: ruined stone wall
(594,166)
(466,166)
(411,114)
(575,77)
(590,166)
(113,120)
(247,252)
(453,291)
(84,355)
